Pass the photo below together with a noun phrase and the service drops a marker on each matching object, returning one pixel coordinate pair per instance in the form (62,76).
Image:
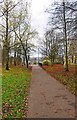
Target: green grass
(14,92)
(0,93)
(0,97)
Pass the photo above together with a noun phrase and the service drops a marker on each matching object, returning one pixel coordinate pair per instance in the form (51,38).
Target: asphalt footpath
(48,98)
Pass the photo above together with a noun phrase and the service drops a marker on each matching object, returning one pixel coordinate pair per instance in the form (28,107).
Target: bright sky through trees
(39,18)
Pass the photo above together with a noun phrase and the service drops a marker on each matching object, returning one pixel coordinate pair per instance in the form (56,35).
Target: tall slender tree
(7,37)
(7,8)
(65,38)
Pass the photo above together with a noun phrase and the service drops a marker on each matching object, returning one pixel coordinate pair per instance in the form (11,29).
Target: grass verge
(15,84)
(0,92)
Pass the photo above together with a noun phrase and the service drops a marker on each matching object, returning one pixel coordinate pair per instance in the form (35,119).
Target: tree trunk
(72,58)
(15,58)
(51,59)
(7,61)
(75,60)
(26,59)
(7,66)
(6,39)
(65,40)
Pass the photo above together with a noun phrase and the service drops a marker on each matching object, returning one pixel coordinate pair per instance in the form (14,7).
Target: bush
(35,62)
(46,62)
(45,58)
(58,62)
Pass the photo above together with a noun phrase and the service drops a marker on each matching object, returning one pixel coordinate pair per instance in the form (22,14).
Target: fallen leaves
(14,89)
(67,78)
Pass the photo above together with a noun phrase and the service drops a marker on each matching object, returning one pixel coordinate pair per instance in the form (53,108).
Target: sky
(39,17)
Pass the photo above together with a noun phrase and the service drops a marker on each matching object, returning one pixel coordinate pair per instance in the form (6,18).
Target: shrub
(46,62)
(45,58)
(58,62)
(35,62)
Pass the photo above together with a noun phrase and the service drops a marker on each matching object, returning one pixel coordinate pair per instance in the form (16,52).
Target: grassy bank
(69,79)
(15,84)
(0,92)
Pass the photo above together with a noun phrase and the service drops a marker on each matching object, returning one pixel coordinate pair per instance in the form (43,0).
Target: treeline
(16,33)
(60,41)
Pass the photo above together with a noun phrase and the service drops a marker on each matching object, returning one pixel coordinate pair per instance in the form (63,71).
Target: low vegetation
(69,79)
(46,62)
(0,93)
(15,84)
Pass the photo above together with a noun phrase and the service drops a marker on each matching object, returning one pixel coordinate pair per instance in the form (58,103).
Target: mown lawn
(69,79)
(15,84)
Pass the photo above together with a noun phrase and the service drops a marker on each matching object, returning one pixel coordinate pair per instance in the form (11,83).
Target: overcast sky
(39,17)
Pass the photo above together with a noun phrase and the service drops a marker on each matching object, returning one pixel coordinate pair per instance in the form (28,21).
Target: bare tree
(61,20)
(23,32)
(6,10)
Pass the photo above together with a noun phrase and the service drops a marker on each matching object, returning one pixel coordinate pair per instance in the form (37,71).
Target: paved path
(48,98)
